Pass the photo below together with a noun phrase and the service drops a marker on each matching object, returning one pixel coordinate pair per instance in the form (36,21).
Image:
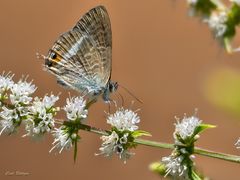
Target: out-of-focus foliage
(222,88)
(223,20)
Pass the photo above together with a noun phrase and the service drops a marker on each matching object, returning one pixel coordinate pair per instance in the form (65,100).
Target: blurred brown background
(159,53)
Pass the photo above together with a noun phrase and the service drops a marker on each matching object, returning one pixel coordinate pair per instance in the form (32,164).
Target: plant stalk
(197,150)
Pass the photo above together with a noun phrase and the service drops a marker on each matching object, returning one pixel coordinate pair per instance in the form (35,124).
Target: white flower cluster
(63,138)
(215,18)
(217,22)
(192,2)
(114,144)
(184,131)
(174,165)
(6,83)
(21,92)
(192,9)
(75,108)
(9,121)
(186,127)
(236,1)
(41,119)
(237,144)
(20,96)
(124,119)
(125,123)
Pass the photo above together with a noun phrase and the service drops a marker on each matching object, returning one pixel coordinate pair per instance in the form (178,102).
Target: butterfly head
(113,86)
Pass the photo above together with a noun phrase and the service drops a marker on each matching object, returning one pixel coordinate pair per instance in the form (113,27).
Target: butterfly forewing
(81,58)
(96,24)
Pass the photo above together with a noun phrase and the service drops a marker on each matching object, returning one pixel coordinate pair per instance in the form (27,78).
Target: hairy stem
(218,155)
(197,150)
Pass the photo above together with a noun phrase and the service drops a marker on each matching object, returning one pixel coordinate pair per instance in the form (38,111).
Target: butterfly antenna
(118,98)
(122,99)
(109,107)
(129,92)
(40,56)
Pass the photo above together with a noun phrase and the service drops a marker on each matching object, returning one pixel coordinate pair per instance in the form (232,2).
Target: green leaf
(139,133)
(202,127)
(205,7)
(158,167)
(235,13)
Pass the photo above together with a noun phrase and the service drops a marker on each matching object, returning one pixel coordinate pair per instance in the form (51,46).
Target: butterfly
(81,58)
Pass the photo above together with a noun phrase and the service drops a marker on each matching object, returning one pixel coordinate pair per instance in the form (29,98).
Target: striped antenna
(129,92)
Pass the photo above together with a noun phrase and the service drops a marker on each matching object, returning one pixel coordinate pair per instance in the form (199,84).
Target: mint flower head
(113,143)
(121,138)
(76,108)
(186,127)
(9,120)
(192,2)
(6,82)
(175,166)
(41,113)
(179,164)
(64,138)
(237,144)
(236,1)
(67,135)
(21,92)
(17,109)
(124,119)
(217,22)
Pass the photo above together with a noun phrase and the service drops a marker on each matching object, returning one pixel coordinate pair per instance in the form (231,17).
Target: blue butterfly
(81,58)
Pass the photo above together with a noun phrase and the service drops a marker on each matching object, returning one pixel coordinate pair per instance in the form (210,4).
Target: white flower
(41,119)
(49,101)
(238,144)
(187,126)
(236,1)
(6,82)
(124,119)
(41,107)
(174,165)
(109,143)
(9,120)
(21,92)
(192,2)
(115,144)
(63,138)
(75,108)
(217,22)
(37,127)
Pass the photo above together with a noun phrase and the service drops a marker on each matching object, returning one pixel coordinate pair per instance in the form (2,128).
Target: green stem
(197,150)
(75,151)
(218,155)
(154,144)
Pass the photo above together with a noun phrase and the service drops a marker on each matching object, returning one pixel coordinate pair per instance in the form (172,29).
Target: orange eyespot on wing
(52,58)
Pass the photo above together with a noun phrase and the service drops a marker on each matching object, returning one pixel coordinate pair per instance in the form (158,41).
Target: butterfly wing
(96,24)
(81,57)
